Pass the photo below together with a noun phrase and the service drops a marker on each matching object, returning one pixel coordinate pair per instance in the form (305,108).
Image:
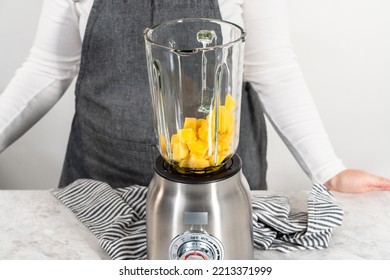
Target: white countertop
(35,225)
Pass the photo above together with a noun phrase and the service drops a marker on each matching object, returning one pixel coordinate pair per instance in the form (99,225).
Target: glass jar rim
(148,32)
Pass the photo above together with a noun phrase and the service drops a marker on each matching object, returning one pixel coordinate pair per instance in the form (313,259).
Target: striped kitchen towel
(117,218)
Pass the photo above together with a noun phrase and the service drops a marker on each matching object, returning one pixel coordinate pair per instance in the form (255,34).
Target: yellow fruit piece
(184,163)
(230,127)
(199,123)
(163,145)
(198,148)
(197,162)
(179,151)
(175,139)
(229,102)
(190,123)
(187,135)
(223,119)
(203,132)
(223,144)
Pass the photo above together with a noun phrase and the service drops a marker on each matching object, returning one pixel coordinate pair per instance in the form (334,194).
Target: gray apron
(112,136)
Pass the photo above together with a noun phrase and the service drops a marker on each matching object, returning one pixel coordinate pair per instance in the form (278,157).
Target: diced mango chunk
(190,123)
(179,151)
(229,102)
(163,145)
(198,148)
(197,162)
(187,135)
(199,123)
(203,132)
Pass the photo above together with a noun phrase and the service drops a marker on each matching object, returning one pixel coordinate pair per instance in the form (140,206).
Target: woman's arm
(271,67)
(45,75)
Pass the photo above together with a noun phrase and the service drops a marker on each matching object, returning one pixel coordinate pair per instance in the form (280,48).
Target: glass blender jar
(198,203)
(195,73)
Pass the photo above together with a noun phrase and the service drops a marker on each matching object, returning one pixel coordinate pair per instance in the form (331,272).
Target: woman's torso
(231,10)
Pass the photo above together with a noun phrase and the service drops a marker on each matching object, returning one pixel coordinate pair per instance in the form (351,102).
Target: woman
(112,136)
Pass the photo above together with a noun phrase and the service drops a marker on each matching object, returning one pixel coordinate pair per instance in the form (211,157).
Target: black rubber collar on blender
(231,168)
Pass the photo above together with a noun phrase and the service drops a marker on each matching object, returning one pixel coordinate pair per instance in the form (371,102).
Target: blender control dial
(195,245)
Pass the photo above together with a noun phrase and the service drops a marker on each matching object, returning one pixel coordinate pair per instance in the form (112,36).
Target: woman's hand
(357,181)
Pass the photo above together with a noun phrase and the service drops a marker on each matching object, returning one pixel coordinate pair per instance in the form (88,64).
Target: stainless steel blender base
(207,217)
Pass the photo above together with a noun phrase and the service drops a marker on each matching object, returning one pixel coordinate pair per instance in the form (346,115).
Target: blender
(198,203)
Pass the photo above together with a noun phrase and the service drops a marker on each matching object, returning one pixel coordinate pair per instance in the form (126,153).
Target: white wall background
(343,47)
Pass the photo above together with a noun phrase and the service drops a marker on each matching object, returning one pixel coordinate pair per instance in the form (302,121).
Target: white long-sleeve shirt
(269,65)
